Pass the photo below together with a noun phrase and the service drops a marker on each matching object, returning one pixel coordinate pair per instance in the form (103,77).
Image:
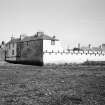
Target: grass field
(52,85)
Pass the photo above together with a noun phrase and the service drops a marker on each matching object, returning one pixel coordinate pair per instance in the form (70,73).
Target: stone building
(29,49)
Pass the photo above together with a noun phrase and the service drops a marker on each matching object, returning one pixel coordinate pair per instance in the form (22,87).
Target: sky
(71,21)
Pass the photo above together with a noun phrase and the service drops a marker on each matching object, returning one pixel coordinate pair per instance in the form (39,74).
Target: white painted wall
(48,47)
(60,58)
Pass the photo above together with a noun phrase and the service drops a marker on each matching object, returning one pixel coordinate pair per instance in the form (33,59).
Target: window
(12,52)
(52,42)
(26,43)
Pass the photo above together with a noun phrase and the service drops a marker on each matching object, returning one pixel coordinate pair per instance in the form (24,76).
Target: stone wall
(30,51)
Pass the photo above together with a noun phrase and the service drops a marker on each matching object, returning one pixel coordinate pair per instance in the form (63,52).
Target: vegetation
(52,85)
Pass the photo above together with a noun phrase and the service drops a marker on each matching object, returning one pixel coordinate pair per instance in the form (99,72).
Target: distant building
(93,49)
(103,47)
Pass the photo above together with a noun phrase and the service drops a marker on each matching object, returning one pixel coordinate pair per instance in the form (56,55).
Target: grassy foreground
(52,85)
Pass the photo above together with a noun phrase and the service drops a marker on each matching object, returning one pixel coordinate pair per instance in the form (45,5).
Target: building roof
(14,40)
(96,49)
(37,36)
(91,49)
(86,48)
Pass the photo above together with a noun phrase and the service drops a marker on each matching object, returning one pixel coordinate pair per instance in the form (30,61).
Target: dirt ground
(52,84)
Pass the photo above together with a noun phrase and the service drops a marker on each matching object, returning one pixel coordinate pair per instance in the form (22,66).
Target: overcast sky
(72,21)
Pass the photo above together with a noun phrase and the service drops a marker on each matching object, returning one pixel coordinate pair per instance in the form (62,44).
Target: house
(29,49)
(11,49)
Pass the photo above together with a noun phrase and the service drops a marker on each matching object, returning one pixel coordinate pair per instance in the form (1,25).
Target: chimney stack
(79,45)
(40,33)
(22,37)
(89,45)
(54,36)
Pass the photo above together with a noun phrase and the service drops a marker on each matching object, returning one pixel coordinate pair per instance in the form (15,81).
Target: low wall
(72,57)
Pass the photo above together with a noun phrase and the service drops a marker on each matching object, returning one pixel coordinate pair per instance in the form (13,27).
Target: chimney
(54,36)
(40,33)
(12,38)
(79,45)
(89,45)
(22,37)
(100,46)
